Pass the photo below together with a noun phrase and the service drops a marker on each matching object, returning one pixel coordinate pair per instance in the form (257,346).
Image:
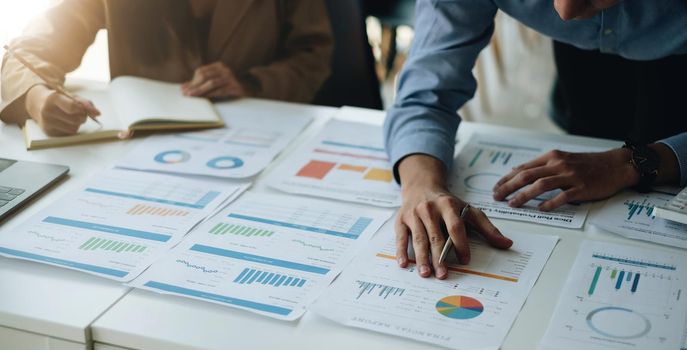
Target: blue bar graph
(619,282)
(250,276)
(635,283)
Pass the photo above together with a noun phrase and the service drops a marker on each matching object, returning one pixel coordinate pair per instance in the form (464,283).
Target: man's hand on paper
(429,210)
(580,176)
(213,80)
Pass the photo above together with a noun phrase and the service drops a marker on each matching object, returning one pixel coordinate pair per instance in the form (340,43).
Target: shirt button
(608,31)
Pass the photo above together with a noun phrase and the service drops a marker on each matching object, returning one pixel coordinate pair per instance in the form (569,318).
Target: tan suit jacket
(279,49)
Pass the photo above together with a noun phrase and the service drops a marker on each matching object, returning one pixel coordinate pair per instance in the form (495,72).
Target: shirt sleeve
(437,78)
(678,144)
(54,43)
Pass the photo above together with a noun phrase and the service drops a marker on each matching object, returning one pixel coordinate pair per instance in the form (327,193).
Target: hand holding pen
(58,112)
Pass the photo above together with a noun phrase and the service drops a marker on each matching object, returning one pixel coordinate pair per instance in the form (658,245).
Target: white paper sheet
(630,214)
(621,297)
(346,161)
(473,309)
(241,150)
(117,224)
(268,254)
(485,159)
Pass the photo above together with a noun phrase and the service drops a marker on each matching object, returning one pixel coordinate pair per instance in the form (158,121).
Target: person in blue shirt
(622,66)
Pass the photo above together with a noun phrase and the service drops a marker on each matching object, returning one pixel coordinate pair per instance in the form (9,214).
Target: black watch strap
(646,161)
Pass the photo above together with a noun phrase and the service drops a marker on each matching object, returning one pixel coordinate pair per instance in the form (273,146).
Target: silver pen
(449,241)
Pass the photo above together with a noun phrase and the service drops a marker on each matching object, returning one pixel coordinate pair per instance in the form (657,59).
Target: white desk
(151,321)
(44,307)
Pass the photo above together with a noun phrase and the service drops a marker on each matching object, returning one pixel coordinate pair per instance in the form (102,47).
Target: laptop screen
(5,163)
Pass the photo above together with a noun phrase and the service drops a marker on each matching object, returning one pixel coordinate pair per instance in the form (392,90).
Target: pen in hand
(55,87)
(449,241)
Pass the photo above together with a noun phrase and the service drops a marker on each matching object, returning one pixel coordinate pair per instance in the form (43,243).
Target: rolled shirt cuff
(420,142)
(678,144)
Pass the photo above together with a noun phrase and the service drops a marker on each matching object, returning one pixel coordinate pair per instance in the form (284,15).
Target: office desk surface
(152,321)
(43,299)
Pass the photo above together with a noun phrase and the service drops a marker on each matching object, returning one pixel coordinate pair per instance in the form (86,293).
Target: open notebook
(132,103)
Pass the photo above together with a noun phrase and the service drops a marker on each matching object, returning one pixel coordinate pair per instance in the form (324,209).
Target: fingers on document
(483,225)
(432,221)
(420,245)
(564,197)
(457,231)
(402,233)
(543,174)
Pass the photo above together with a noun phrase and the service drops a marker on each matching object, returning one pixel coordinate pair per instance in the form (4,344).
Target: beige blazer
(279,48)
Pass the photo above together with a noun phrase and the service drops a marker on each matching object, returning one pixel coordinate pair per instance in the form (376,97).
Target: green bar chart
(95,243)
(239,230)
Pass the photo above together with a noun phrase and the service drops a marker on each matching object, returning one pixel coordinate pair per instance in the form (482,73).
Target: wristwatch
(646,161)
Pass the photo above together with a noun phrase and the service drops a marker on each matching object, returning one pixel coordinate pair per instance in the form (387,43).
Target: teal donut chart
(226,162)
(172,157)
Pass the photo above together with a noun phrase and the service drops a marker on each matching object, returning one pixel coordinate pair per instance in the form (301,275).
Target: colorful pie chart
(459,307)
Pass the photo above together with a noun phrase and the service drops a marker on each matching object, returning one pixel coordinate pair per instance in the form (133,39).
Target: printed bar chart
(250,276)
(316,169)
(367,288)
(142,209)
(595,280)
(222,228)
(635,208)
(95,243)
(617,278)
(491,156)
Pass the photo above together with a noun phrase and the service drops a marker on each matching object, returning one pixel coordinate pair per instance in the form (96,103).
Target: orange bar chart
(356,168)
(316,169)
(377,174)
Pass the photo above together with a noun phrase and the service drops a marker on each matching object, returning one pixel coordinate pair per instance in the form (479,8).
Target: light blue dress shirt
(437,77)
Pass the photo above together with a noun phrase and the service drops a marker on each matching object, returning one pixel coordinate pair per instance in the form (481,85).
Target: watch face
(646,160)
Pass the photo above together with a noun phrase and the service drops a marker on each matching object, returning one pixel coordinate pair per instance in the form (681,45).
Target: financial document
(485,159)
(117,224)
(473,308)
(621,297)
(241,150)
(346,161)
(268,254)
(631,214)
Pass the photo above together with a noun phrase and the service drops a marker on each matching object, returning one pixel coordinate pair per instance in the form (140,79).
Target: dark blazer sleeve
(304,59)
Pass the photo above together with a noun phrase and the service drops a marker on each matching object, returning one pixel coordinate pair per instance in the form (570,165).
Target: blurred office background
(514,73)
